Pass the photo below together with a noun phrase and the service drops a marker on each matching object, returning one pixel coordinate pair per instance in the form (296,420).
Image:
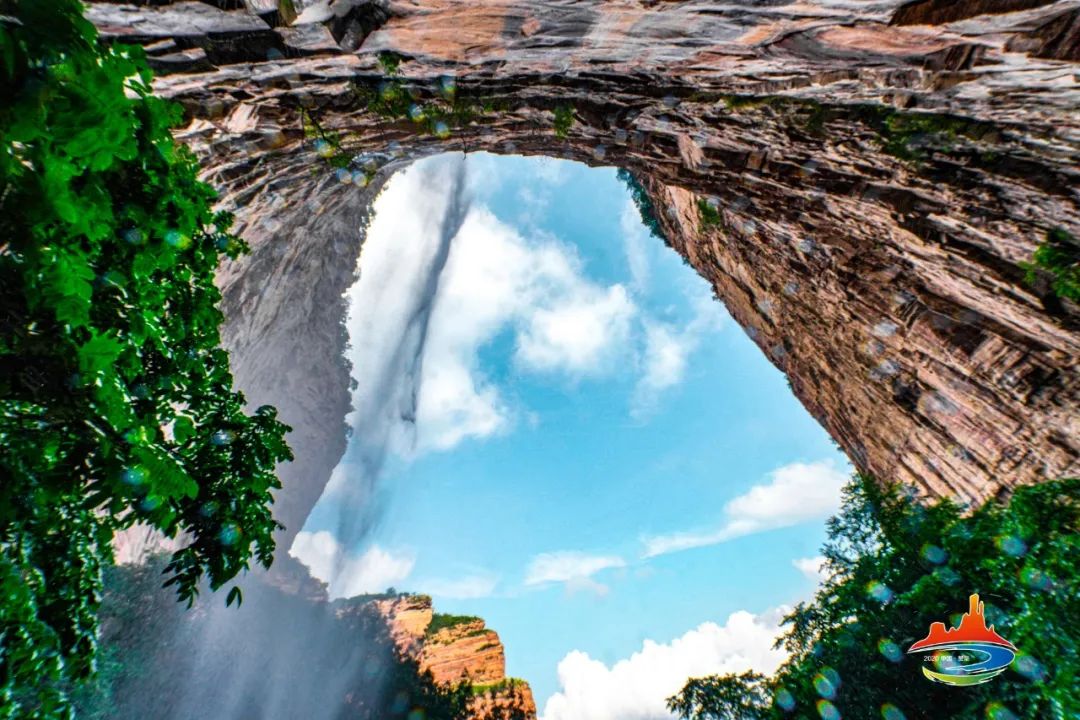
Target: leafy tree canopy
(116,400)
(896,565)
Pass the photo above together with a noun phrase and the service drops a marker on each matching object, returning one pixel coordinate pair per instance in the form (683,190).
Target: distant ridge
(972,628)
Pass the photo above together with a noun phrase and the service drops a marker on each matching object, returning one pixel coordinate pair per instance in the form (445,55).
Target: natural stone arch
(889,290)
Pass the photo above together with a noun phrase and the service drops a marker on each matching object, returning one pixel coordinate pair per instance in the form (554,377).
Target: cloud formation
(373,571)
(575,569)
(667,350)
(793,494)
(465,587)
(635,688)
(812,567)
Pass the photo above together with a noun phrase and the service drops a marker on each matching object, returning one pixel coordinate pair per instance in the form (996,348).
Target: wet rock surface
(874,186)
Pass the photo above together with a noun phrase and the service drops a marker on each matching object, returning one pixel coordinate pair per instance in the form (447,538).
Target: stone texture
(889,289)
(465,652)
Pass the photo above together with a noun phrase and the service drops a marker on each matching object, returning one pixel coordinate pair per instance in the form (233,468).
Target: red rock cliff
(459,649)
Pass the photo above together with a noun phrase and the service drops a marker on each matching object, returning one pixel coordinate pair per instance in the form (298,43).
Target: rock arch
(860,194)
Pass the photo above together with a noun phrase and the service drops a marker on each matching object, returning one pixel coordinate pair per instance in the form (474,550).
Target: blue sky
(557,429)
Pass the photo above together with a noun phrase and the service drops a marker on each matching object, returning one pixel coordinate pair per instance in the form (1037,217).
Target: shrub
(896,565)
(116,401)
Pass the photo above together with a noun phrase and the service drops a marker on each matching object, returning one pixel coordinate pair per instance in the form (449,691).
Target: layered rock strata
(861,182)
(462,650)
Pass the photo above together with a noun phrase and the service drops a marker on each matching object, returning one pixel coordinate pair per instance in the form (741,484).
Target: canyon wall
(861,183)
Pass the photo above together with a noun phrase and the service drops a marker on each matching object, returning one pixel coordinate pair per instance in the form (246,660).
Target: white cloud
(793,494)
(575,569)
(423,380)
(636,688)
(666,352)
(579,334)
(349,574)
(812,567)
(467,587)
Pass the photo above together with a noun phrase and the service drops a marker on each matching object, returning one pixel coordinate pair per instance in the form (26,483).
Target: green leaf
(168,478)
(99,353)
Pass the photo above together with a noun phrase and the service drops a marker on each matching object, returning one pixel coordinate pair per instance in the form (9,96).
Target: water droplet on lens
(879,591)
(1035,578)
(670,101)
(620,135)
(1012,545)
(133,236)
(1029,667)
(947,576)
(890,650)
(416,113)
(827,710)
(891,712)
(784,699)
(824,687)
(134,476)
(599,152)
(229,534)
(996,710)
(344,176)
(448,86)
(222,437)
(933,554)
(442,130)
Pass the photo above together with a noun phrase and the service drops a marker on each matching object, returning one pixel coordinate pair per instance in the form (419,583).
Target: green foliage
(506,701)
(442,621)
(903,134)
(564,120)
(116,401)
(709,215)
(643,202)
(896,566)
(435,111)
(498,686)
(1059,256)
(726,697)
(390,63)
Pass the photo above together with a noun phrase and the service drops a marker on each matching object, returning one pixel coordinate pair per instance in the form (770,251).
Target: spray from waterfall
(283,655)
(389,324)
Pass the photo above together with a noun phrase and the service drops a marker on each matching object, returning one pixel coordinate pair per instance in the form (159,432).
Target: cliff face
(860,182)
(457,649)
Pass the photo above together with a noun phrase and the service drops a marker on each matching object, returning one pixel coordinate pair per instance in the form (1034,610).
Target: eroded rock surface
(872,187)
(464,651)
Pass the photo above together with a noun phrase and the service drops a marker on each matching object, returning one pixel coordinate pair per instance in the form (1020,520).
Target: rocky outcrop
(458,649)
(862,195)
